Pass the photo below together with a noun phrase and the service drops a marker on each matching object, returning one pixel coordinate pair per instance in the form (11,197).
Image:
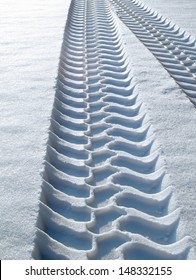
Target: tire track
(173,47)
(105,191)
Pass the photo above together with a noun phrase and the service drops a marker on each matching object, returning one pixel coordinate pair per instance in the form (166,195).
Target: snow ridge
(105,191)
(173,47)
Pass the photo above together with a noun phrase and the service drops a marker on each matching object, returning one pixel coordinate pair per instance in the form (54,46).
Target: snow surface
(172,115)
(181,12)
(31,37)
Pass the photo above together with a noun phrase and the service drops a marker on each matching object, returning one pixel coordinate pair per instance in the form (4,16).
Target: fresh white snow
(31,36)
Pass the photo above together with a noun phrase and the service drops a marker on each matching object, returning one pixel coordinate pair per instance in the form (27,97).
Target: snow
(172,115)
(31,34)
(180,12)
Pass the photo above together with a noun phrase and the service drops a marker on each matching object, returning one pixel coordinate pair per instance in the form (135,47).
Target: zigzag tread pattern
(105,191)
(174,48)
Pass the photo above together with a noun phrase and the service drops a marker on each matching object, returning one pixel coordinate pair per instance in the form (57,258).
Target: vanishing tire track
(173,47)
(105,191)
